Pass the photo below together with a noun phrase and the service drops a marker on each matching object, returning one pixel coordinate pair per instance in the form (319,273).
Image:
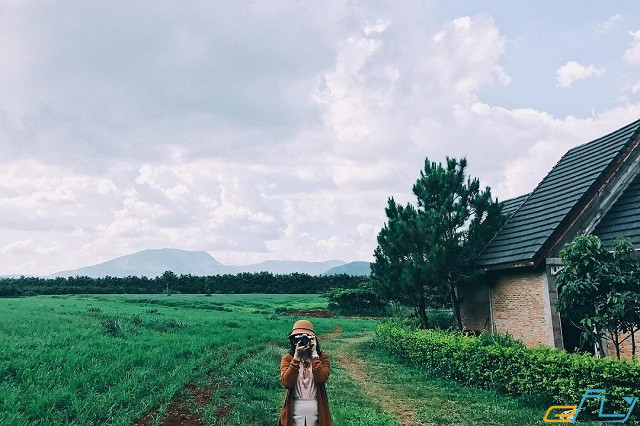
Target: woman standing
(303,372)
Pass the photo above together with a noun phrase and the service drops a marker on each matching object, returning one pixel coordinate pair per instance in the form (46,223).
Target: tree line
(261,282)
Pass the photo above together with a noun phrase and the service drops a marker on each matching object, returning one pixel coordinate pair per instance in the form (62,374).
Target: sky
(276,129)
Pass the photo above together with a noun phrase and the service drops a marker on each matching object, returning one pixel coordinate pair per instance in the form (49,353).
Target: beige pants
(305,412)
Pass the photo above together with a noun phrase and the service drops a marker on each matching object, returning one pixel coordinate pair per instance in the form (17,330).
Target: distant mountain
(290,266)
(351,268)
(152,263)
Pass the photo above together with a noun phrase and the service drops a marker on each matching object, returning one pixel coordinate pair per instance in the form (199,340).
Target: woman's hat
(301,327)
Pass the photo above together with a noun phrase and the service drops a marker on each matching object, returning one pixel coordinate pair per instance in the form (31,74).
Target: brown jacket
(289,368)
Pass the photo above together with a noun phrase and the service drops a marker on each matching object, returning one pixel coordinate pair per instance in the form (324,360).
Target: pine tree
(428,253)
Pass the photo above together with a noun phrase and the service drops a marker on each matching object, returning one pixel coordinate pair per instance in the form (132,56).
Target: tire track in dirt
(186,409)
(357,370)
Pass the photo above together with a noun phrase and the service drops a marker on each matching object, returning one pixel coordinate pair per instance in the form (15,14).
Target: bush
(114,326)
(174,323)
(441,319)
(505,365)
(362,300)
(163,326)
(136,319)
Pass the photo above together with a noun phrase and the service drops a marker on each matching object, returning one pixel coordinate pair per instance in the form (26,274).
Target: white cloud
(609,24)
(331,243)
(632,54)
(466,54)
(368,230)
(572,71)
(16,246)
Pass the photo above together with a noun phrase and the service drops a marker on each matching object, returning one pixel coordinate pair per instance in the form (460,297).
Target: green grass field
(118,359)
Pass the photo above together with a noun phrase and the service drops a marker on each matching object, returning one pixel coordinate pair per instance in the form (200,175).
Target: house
(593,189)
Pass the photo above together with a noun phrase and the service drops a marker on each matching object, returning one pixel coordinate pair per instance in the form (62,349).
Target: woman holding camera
(303,372)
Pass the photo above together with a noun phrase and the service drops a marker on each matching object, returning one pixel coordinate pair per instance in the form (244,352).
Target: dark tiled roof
(623,220)
(510,206)
(555,198)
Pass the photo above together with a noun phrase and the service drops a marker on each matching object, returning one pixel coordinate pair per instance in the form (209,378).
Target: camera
(303,339)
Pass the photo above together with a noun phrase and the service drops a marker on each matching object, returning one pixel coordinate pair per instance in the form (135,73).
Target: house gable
(623,220)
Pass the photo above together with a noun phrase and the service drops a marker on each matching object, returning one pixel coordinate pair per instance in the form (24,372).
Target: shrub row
(506,366)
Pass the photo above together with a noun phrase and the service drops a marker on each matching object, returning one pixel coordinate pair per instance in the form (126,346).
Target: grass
(109,359)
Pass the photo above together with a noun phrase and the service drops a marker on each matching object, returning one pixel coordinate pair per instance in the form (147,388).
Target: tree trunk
(598,343)
(616,343)
(422,310)
(633,344)
(455,305)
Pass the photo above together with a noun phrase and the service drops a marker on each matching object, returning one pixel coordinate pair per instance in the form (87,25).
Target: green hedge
(361,300)
(507,366)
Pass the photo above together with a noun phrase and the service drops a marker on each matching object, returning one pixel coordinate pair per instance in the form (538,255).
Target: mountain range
(154,262)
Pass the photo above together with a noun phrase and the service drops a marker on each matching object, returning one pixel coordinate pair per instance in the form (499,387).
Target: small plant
(504,340)
(152,311)
(174,323)
(114,326)
(136,319)
(94,309)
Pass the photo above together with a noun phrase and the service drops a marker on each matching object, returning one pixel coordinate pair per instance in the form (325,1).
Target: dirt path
(330,335)
(376,391)
(185,410)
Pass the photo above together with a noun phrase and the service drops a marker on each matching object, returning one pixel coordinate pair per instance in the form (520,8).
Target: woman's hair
(292,346)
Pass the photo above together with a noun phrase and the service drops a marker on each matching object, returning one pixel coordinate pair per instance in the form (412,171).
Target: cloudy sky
(277,130)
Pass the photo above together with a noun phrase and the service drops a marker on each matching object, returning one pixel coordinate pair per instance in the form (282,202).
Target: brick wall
(518,305)
(474,308)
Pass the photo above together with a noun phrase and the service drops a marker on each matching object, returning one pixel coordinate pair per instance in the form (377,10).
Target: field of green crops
(126,359)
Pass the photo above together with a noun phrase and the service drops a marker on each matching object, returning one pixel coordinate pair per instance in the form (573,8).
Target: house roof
(510,206)
(560,194)
(623,220)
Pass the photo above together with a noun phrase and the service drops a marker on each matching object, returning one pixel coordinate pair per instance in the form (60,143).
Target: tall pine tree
(427,253)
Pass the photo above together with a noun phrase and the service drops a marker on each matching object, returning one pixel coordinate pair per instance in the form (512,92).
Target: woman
(304,371)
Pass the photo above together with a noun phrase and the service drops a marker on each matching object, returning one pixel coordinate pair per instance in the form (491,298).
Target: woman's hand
(312,346)
(300,350)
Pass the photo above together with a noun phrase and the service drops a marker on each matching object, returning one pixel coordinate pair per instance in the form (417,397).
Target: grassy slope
(58,366)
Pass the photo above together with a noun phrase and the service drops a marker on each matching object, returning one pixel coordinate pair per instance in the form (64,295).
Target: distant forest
(261,282)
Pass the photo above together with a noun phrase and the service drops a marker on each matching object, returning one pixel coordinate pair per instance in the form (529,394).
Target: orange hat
(301,327)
